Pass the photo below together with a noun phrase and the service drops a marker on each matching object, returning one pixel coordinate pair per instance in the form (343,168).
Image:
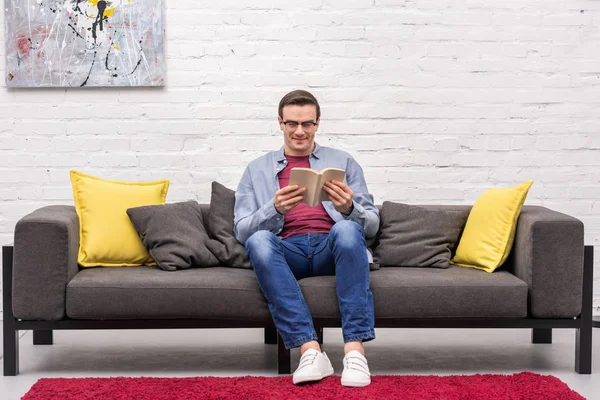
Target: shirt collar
(281,153)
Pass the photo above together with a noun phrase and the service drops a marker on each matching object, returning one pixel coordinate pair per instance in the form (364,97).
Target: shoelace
(307,359)
(361,365)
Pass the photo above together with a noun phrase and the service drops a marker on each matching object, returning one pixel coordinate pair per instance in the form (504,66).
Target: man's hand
(287,198)
(340,195)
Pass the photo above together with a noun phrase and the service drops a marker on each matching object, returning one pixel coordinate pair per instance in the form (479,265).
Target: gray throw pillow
(174,235)
(415,236)
(223,244)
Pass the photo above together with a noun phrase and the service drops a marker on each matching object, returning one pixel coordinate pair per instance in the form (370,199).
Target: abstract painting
(66,43)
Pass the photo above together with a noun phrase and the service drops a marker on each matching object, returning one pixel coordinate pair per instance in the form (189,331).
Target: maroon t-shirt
(302,218)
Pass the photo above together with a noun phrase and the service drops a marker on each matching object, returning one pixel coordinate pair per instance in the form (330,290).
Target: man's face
(299,125)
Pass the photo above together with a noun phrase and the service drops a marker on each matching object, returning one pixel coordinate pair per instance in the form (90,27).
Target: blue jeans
(279,263)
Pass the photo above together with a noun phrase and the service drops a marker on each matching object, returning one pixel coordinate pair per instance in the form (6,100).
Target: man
(287,240)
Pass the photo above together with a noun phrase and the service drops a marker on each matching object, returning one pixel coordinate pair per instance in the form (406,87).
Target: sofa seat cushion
(149,292)
(221,293)
(455,292)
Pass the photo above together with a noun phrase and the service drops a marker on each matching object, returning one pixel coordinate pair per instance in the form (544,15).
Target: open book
(313,181)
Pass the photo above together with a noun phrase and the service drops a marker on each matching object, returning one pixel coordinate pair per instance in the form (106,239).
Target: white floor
(238,352)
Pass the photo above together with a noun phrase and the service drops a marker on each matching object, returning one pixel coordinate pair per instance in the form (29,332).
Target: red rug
(525,385)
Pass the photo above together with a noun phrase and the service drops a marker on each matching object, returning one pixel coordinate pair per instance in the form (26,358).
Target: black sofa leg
(541,335)
(583,351)
(10,333)
(284,362)
(583,337)
(270,335)
(42,337)
(11,352)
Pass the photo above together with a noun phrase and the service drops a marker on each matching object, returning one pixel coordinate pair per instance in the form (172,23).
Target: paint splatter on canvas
(84,43)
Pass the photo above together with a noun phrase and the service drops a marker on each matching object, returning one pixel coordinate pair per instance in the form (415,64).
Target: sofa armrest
(45,260)
(548,256)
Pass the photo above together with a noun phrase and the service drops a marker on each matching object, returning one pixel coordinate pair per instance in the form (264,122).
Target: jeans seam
(322,248)
(360,336)
(306,309)
(301,340)
(292,249)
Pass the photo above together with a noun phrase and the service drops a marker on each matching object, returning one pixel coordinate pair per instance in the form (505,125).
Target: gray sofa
(546,283)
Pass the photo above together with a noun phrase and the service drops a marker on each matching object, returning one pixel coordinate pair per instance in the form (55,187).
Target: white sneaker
(356,370)
(313,366)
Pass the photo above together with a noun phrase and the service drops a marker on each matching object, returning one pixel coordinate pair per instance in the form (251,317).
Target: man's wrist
(275,207)
(349,211)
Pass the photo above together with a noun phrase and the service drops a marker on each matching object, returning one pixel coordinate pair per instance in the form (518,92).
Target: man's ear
(280,122)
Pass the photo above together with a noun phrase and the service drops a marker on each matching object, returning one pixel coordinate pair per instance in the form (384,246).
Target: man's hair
(299,98)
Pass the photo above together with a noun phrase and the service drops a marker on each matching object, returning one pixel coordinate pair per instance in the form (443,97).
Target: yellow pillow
(106,235)
(490,230)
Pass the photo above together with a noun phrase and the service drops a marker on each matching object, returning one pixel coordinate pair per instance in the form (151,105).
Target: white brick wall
(438,99)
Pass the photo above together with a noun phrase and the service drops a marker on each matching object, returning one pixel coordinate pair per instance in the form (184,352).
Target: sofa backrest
(372,242)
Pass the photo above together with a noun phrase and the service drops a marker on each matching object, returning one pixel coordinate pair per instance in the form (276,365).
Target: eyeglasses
(307,125)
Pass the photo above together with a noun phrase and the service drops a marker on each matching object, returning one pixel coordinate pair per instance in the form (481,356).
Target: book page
(329,174)
(308,178)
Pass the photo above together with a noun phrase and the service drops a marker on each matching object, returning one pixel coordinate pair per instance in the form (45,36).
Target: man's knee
(259,246)
(346,227)
(347,233)
(260,238)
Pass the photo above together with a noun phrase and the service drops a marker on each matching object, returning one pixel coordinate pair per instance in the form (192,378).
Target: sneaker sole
(313,378)
(351,383)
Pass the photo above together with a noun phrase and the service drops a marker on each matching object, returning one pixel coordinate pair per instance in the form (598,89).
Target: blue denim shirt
(254,208)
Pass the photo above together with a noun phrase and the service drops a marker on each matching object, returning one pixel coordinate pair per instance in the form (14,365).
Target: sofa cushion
(106,235)
(415,236)
(221,292)
(174,235)
(490,229)
(149,292)
(223,244)
(428,292)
